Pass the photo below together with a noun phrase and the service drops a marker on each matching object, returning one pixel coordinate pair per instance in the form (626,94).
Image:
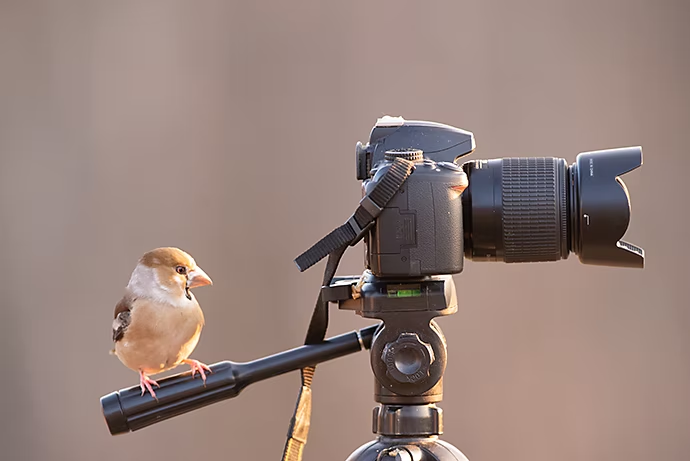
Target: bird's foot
(198,366)
(145,384)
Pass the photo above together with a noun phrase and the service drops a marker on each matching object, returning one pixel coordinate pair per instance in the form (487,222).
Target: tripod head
(408,358)
(408,351)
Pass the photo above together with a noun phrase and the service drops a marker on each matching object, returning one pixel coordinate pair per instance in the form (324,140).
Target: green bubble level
(394,293)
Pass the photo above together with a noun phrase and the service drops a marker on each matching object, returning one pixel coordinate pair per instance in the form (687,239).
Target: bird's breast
(159,336)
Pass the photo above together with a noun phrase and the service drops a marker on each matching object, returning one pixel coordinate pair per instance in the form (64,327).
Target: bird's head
(167,275)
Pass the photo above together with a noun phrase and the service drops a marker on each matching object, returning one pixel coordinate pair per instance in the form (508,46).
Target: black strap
(300,422)
(334,246)
(368,210)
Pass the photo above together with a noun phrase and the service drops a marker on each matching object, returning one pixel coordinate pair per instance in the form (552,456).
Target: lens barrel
(536,209)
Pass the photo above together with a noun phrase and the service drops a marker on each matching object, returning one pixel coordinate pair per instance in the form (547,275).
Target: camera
(528,209)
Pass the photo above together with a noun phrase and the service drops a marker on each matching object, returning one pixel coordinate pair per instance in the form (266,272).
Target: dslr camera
(530,209)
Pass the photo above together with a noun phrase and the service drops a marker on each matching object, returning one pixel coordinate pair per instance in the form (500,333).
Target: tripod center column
(408,420)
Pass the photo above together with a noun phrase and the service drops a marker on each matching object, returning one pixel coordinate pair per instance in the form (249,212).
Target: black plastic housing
(600,207)
(419,232)
(439,142)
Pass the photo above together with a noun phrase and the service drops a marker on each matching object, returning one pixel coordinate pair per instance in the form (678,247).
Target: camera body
(419,232)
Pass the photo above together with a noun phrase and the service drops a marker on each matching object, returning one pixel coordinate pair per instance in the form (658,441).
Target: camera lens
(539,209)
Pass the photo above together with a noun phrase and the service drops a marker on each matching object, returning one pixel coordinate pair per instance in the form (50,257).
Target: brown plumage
(158,321)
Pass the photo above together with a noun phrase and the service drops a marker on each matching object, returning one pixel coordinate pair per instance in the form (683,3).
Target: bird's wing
(123,316)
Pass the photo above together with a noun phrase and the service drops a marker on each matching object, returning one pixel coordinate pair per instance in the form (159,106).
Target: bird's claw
(198,366)
(145,384)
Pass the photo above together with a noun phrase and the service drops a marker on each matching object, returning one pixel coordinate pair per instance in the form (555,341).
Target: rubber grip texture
(535,216)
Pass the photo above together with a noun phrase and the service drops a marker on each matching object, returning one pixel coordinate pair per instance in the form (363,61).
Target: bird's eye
(181,270)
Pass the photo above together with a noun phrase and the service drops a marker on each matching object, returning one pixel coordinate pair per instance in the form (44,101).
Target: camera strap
(334,245)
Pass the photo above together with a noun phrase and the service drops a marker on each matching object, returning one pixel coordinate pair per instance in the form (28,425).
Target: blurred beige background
(228,129)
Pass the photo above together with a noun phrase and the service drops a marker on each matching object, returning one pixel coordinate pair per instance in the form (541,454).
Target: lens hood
(600,207)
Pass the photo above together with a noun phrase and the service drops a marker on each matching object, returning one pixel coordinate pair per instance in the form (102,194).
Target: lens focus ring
(534,209)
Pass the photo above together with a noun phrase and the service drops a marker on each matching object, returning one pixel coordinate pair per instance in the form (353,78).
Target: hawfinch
(158,321)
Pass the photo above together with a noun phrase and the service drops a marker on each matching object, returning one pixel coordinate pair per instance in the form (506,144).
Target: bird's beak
(198,278)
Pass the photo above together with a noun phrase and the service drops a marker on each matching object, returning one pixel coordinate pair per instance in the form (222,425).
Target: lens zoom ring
(533,214)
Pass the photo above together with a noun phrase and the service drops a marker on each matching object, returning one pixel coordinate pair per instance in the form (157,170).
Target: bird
(158,320)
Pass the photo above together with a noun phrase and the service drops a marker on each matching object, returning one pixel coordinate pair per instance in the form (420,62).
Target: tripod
(408,358)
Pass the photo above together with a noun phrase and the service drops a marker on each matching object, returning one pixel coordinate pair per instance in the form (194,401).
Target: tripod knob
(408,358)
